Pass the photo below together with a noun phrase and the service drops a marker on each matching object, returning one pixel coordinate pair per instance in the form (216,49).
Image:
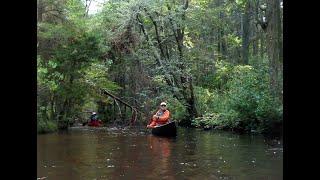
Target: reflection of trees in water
(83,150)
(129,156)
(235,155)
(63,156)
(79,155)
(190,139)
(138,157)
(134,159)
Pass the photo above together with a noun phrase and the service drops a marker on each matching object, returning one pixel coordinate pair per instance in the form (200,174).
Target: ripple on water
(206,156)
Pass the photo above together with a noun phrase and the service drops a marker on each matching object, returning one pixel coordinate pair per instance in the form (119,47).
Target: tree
(274,42)
(246,32)
(144,51)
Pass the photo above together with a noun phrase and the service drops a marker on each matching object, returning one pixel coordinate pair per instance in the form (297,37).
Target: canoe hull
(169,130)
(95,123)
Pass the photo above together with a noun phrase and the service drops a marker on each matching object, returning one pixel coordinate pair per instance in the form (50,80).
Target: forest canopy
(216,63)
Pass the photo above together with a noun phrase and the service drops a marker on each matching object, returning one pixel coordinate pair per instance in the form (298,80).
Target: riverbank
(44,127)
(220,121)
(51,127)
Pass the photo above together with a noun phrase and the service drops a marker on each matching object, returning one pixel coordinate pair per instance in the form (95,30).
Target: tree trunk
(274,44)
(255,48)
(161,54)
(261,46)
(40,9)
(245,34)
(192,102)
(255,42)
(53,115)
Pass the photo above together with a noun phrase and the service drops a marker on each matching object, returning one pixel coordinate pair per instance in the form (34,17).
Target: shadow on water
(88,153)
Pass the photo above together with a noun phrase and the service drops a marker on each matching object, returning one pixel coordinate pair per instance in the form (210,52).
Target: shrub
(244,101)
(209,119)
(204,100)
(46,126)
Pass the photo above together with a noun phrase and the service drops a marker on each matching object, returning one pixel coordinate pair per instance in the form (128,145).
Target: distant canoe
(169,129)
(97,123)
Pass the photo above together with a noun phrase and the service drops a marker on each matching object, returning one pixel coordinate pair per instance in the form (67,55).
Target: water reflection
(160,148)
(193,154)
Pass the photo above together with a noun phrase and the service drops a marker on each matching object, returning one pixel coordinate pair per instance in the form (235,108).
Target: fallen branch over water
(134,110)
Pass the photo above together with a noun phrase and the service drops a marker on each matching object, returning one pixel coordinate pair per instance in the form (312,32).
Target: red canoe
(95,123)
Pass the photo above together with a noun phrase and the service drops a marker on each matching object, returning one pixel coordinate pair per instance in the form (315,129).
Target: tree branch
(87,7)
(156,31)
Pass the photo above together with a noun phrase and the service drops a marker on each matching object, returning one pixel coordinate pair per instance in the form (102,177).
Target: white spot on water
(41,178)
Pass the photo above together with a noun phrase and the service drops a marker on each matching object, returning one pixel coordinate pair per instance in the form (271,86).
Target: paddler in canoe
(94,121)
(161,117)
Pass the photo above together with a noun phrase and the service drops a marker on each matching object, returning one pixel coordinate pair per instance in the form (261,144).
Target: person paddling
(161,117)
(94,121)
(93,117)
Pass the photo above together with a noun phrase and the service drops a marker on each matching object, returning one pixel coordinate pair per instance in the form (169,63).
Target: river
(133,153)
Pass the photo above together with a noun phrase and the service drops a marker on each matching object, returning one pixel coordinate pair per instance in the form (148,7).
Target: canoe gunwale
(168,129)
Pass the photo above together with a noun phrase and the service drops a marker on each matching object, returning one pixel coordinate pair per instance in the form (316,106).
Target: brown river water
(133,153)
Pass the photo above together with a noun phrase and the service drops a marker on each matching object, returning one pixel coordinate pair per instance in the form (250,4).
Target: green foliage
(209,119)
(242,3)
(46,126)
(177,109)
(205,99)
(95,76)
(69,65)
(222,75)
(245,102)
(78,55)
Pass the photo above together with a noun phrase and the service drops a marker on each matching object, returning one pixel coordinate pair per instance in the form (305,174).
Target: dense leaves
(246,101)
(216,63)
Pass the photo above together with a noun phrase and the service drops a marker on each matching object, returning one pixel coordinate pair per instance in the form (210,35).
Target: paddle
(152,116)
(150,120)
